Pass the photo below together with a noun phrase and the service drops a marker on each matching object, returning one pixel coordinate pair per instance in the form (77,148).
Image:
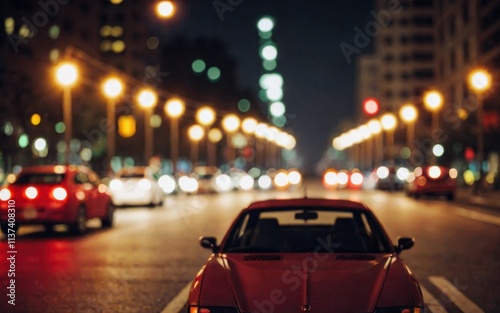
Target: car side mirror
(209,243)
(404,243)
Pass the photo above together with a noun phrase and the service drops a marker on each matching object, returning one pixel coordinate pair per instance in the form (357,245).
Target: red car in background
(305,255)
(55,194)
(432,181)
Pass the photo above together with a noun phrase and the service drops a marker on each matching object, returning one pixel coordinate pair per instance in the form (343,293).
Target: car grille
(355,257)
(263,257)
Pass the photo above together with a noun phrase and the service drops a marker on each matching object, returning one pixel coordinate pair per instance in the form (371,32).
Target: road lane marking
(178,302)
(432,303)
(482,217)
(458,298)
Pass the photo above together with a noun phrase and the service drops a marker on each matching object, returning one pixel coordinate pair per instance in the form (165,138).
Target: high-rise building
(106,36)
(404,49)
(468,37)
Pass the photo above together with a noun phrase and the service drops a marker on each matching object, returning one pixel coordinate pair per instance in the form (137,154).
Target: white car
(135,185)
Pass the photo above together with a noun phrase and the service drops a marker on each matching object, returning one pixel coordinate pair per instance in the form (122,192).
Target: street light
(205,116)
(375,129)
(433,101)
(214,136)
(408,114)
(112,88)
(389,124)
(480,82)
(366,147)
(230,123)
(147,100)
(66,76)
(165,9)
(174,108)
(195,134)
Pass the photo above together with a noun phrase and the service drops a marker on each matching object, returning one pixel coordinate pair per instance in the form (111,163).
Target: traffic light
(371,106)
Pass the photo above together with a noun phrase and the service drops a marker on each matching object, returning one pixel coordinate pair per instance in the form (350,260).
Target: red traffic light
(371,106)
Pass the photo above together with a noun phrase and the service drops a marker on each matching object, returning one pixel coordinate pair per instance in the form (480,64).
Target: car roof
(133,169)
(272,204)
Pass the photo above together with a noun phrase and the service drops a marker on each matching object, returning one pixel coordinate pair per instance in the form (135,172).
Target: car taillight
(59,193)
(5,194)
(31,193)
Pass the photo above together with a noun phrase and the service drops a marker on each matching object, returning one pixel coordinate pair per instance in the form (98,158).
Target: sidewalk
(489,199)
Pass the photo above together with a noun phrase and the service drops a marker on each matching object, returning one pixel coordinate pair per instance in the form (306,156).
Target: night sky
(319,83)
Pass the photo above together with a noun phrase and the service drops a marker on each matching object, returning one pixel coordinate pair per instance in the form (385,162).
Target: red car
(432,181)
(55,194)
(305,255)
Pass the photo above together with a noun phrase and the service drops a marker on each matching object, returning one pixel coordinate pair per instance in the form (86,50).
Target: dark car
(301,255)
(387,178)
(55,194)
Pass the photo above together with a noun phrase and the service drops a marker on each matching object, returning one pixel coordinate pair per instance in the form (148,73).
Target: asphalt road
(145,262)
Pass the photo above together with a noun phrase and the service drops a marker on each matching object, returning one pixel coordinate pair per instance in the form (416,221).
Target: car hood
(291,282)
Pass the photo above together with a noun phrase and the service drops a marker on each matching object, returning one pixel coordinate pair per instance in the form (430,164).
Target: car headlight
(213,309)
(116,185)
(144,184)
(400,309)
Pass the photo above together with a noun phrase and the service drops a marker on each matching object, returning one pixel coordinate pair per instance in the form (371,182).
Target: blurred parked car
(348,262)
(136,185)
(432,181)
(206,175)
(51,195)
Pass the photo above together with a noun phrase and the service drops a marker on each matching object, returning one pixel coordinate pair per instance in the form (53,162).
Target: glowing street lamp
(389,124)
(66,76)
(147,100)
(165,9)
(433,101)
(112,89)
(249,125)
(174,108)
(480,82)
(195,134)
(408,114)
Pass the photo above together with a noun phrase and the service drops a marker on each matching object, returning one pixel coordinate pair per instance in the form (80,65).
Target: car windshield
(306,230)
(39,178)
(132,175)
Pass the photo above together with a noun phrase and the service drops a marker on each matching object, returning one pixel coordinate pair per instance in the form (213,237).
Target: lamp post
(195,134)
(248,125)
(214,136)
(230,124)
(366,148)
(66,76)
(205,116)
(174,108)
(480,82)
(147,100)
(259,132)
(112,88)
(409,114)
(389,123)
(433,101)
(375,129)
